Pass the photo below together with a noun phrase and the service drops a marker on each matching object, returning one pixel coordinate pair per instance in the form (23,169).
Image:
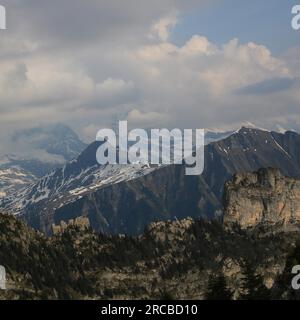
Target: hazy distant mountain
(213,136)
(37,151)
(53,143)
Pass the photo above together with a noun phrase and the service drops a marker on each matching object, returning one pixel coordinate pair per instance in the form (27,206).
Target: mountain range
(125,199)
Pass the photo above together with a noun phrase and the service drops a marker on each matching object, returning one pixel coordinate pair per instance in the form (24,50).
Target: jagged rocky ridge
(125,199)
(171,260)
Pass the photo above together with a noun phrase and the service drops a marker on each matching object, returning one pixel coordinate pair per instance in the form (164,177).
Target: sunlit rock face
(262,197)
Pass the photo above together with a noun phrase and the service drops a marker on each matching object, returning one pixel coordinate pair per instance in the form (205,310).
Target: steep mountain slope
(68,184)
(249,150)
(124,199)
(14,179)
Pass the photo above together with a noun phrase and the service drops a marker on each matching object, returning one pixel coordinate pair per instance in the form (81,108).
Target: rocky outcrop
(80,222)
(262,197)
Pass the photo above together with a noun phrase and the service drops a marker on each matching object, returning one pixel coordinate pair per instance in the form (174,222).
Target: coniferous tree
(217,288)
(253,285)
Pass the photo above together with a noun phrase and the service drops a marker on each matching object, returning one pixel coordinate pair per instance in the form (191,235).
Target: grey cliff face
(262,197)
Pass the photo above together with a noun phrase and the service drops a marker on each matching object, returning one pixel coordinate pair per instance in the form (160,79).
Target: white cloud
(146,119)
(163,27)
(89,80)
(197,82)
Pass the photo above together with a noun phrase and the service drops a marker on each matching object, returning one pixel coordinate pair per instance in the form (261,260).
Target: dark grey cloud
(267,86)
(78,22)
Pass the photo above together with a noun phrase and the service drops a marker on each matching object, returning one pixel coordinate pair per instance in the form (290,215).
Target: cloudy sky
(158,63)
